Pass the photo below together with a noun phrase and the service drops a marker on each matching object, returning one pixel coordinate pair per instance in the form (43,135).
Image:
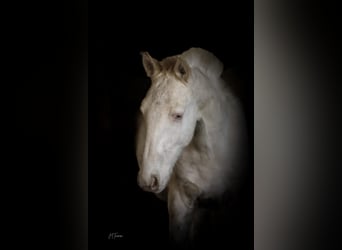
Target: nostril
(154,183)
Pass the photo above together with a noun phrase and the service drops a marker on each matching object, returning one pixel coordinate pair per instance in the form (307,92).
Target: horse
(191,138)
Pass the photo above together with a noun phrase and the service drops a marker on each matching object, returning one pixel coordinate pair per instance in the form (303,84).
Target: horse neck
(219,109)
(210,96)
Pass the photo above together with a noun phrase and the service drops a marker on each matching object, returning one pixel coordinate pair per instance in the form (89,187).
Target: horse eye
(177,116)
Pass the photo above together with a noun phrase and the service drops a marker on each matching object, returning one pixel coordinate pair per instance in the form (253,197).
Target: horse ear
(150,64)
(182,69)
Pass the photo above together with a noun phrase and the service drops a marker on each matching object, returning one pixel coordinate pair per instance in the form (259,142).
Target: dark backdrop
(117,84)
(50,50)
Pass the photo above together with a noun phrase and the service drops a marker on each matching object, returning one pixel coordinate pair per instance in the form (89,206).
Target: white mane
(205,61)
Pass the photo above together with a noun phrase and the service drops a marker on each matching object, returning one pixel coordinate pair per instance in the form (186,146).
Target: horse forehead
(168,91)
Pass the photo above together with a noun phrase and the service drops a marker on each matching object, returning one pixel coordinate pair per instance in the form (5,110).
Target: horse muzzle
(149,184)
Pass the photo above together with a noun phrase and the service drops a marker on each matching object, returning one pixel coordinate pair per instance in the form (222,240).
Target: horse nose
(154,183)
(149,184)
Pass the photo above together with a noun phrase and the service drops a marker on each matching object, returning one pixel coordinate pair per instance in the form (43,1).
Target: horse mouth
(151,190)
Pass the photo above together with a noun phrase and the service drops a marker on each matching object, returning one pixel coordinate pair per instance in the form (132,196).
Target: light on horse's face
(170,116)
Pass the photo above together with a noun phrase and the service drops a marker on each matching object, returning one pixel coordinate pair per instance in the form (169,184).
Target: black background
(117,84)
(49,44)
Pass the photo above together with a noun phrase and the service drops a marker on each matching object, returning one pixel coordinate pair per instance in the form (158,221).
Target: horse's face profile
(169,115)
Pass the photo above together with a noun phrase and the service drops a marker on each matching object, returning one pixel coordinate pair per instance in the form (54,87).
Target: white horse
(191,137)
